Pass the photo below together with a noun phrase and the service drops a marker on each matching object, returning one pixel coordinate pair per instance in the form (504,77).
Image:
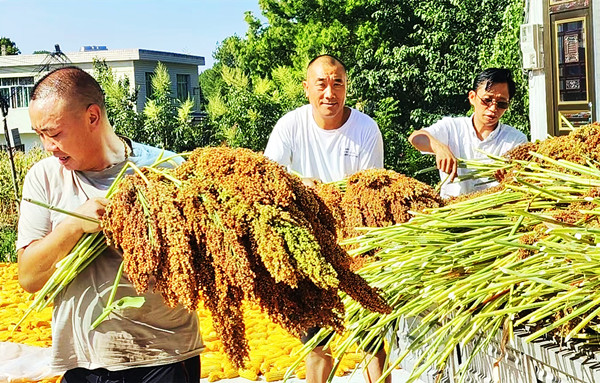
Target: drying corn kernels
(272,349)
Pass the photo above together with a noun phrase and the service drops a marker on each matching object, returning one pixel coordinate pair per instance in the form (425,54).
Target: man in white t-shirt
(466,137)
(327,141)
(150,344)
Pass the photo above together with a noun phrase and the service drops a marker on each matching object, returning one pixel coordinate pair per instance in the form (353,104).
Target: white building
(561,52)
(18,73)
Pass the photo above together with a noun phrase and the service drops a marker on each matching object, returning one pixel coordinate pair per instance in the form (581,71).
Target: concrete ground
(398,376)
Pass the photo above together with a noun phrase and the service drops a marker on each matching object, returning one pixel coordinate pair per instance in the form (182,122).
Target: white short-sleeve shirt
(460,136)
(298,143)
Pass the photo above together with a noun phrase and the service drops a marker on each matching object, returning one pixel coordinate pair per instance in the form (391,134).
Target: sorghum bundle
(581,146)
(230,225)
(379,197)
(376,198)
(578,146)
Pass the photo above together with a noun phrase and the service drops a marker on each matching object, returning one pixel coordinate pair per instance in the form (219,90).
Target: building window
(183,86)
(149,88)
(572,60)
(16,90)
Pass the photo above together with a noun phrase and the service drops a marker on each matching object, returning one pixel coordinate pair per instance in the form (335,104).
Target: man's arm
(445,160)
(38,260)
(278,146)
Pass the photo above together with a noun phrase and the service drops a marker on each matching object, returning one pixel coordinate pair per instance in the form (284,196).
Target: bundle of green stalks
(581,146)
(523,254)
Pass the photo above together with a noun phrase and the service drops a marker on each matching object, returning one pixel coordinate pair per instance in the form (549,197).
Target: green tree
(168,121)
(9,45)
(243,111)
(160,109)
(120,101)
(8,206)
(506,52)
(409,62)
(165,121)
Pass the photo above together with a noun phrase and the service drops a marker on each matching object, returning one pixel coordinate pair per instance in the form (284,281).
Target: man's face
(325,87)
(488,104)
(64,131)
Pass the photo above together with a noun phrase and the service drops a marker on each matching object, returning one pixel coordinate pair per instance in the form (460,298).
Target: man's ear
(93,114)
(472,96)
(305,85)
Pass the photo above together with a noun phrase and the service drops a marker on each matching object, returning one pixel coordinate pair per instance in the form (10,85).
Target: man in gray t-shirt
(154,343)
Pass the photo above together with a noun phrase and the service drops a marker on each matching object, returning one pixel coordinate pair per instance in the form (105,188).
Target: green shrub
(8,237)
(409,64)
(8,201)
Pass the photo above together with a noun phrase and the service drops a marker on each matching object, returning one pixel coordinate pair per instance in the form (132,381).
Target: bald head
(324,60)
(71,84)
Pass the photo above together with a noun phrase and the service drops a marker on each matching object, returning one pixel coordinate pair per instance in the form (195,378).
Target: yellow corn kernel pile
(14,301)
(272,349)
(35,330)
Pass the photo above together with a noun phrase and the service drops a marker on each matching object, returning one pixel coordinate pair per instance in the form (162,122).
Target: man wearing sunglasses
(467,137)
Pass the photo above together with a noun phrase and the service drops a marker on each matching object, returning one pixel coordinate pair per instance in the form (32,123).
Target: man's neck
(483,131)
(114,151)
(332,123)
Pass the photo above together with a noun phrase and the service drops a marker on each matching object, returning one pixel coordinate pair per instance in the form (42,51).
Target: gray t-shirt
(153,334)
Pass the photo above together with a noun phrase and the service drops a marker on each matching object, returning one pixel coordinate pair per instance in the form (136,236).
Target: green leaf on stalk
(123,303)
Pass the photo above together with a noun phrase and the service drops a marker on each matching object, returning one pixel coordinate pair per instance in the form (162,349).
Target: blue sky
(183,26)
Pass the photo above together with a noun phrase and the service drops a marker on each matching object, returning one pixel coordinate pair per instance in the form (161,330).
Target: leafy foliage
(160,109)
(409,63)
(11,47)
(243,111)
(22,161)
(8,201)
(165,122)
(120,101)
(8,238)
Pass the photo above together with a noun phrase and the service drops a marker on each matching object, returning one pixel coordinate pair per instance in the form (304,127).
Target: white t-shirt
(298,143)
(153,334)
(460,136)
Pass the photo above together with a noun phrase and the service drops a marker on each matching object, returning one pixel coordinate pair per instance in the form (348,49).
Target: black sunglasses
(488,102)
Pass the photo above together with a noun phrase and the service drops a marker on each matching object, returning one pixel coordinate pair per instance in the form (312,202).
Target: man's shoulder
(363,117)
(295,120)
(298,113)
(47,172)
(462,121)
(512,133)
(144,155)
(451,122)
(48,165)
(362,123)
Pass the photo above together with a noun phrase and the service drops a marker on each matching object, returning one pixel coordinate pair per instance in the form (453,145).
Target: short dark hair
(71,83)
(331,58)
(492,76)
